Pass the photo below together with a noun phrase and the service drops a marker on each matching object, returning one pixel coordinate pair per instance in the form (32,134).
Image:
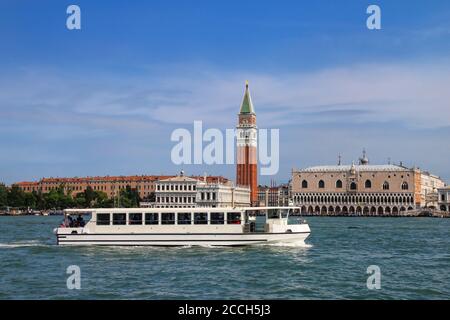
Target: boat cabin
(232,220)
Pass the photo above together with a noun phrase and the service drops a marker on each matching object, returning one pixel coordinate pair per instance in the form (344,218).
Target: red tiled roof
(27,183)
(105,178)
(135,178)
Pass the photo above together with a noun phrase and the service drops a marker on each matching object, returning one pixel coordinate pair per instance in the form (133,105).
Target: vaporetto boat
(182,226)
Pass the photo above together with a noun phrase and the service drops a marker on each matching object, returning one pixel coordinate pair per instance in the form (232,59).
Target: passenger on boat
(70,221)
(80,221)
(66,223)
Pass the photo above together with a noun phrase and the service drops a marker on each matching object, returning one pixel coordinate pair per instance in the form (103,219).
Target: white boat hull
(188,239)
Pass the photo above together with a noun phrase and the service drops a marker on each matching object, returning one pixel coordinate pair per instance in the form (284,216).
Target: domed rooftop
(364,160)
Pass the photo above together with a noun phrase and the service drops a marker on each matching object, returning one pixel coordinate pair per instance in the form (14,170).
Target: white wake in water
(21,244)
(299,244)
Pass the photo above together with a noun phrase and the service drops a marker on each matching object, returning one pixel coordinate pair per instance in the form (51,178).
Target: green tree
(80,200)
(51,199)
(16,197)
(150,198)
(3,196)
(107,203)
(66,201)
(129,198)
(30,200)
(90,199)
(40,200)
(56,199)
(89,196)
(101,199)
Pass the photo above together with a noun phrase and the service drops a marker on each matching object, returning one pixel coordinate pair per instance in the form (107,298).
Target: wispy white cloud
(321,113)
(413,94)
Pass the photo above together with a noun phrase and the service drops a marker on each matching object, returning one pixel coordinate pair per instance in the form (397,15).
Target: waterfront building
(189,192)
(179,192)
(429,186)
(444,199)
(29,186)
(145,185)
(111,185)
(362,188)
(274,195)
(267,196)
(222,195)
(246,168)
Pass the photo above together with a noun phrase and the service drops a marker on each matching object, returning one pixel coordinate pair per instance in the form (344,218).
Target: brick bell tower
(247,169)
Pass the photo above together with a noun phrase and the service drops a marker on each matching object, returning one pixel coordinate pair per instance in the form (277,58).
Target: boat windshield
(75,220)
(273,214)
(277,213)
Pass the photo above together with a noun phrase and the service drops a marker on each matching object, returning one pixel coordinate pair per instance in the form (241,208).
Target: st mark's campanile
(247,169)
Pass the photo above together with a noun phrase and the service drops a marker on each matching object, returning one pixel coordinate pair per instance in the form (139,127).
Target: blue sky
(105,99)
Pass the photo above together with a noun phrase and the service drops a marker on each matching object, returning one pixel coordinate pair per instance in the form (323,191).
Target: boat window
(200,218)
(168,218)
(184,218)
(233,217)
(217,218)
(103,219)
(272,214)
(151,218)
(135,218)
(119,218)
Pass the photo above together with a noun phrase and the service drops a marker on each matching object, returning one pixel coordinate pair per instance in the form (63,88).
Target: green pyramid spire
(247,105)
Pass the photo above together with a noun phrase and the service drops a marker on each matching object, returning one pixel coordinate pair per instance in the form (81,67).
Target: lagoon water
(412,253)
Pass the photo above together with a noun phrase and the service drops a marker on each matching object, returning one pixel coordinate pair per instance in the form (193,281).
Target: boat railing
(296,220)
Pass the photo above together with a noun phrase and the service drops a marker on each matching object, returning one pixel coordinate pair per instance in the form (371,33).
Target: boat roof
(139,210)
